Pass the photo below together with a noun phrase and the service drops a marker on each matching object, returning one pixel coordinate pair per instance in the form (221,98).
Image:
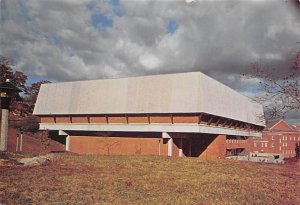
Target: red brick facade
(279,138)
(146,143)
(120,143)
(171,118)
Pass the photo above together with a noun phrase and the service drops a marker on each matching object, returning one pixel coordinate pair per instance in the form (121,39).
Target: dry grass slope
(149,180)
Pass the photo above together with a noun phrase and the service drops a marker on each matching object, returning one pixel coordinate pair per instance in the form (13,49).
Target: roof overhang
(148,128)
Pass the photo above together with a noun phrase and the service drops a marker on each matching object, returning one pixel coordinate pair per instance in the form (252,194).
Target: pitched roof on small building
(280,125)
(170,93)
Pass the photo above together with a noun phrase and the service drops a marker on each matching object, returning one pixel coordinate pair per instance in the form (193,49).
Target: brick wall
(195,145)
(276,142)
(117,145)
(280,139)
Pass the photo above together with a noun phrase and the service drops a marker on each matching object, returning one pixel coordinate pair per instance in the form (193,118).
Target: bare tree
(109,143)
(281,90)
(44,139)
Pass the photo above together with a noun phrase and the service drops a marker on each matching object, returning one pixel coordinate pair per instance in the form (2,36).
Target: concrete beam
(148,128)
(165,135)
(61,132)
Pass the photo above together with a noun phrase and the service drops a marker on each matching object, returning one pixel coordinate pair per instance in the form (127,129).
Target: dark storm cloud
(61,40)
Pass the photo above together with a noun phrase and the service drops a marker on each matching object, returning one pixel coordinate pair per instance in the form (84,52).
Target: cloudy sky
(66,40)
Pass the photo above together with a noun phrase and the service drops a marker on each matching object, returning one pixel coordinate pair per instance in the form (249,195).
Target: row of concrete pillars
(165,135)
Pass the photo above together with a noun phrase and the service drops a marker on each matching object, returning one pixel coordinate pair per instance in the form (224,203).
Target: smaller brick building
(278,137)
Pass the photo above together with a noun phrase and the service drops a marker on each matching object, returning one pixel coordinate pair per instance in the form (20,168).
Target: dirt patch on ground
(25,159)
(39,160)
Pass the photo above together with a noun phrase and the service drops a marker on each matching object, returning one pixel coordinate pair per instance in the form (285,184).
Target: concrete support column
(4,130)
(180,148)
(68,143)
(165,135)
(170,147)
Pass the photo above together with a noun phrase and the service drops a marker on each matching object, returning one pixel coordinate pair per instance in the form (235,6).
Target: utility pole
(4,129)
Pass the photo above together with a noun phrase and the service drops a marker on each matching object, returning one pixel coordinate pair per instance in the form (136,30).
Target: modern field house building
(185,114)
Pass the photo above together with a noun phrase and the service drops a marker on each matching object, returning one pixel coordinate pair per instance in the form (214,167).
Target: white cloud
(150,61)
(220,38)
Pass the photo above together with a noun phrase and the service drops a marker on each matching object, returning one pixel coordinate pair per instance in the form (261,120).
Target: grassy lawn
(93,179)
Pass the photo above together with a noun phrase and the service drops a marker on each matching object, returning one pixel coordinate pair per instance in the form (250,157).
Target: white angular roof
(191,92)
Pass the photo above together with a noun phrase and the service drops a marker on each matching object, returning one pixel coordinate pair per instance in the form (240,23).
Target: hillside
(32,143)
(90,179)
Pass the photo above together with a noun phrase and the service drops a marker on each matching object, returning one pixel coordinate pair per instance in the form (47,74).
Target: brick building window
(273,144)
(273,138)
(255,144)
(266,144)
